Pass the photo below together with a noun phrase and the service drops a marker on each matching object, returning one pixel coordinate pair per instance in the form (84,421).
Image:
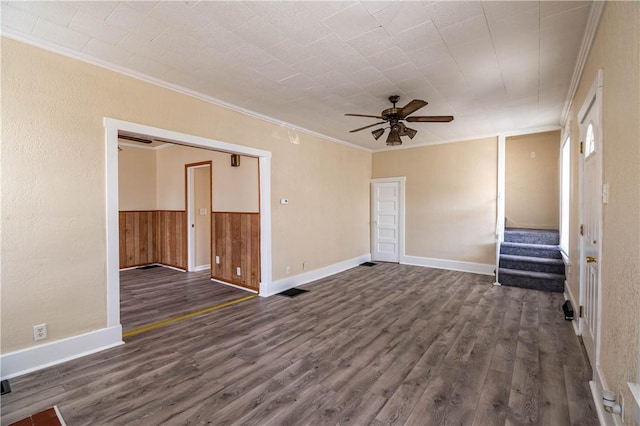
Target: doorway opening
(263,165)
(198,203)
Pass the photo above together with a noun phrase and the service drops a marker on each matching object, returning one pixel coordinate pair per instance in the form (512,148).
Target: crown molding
(61,50)
(597,7)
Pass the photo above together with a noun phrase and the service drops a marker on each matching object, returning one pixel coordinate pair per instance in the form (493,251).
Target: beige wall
(616,50)
(531,184)
(53,186)
(202,200)
(235,189)
(450,198)
(136,179)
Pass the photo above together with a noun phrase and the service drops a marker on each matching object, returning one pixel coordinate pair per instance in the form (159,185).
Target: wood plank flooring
(151,295)
(389,344)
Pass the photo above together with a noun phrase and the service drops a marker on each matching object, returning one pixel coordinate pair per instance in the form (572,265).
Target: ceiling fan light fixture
(394,138)
(410,132)
(377,133)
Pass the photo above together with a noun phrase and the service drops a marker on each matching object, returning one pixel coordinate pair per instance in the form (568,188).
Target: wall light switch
(605,193)
(217,260)
(203,212)
(532,154)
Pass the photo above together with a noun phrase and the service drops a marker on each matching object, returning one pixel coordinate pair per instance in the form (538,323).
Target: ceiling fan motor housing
(391,113)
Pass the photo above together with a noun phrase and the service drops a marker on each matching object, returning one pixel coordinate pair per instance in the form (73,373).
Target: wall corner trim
(276,287)
(35,358)
(453,265)
(593,21)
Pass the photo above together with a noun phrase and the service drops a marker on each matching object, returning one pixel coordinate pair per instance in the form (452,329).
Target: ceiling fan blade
(431,119)
(134,139)
(364,115)
(366,127)
(412,107)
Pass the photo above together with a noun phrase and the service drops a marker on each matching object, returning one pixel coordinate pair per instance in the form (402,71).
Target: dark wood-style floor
(152,295)
(387,344)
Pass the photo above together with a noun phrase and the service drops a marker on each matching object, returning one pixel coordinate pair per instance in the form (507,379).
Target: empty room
(320,212)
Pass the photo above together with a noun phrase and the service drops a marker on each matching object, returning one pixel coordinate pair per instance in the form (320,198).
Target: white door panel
(385,226)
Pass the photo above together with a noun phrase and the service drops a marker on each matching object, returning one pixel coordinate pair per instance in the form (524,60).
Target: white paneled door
(590,289)
(387,219)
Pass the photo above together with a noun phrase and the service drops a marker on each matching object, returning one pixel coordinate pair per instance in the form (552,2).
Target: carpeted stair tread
(532,280)
(532,236)
(530,250)
(532,263)
(543,246)
(532,259)
(532,274)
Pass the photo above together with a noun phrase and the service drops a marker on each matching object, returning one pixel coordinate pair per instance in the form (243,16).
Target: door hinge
(582,230)
(581,311)
(581,147)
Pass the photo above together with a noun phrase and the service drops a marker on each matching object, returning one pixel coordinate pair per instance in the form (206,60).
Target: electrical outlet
(288,270)
(40,332)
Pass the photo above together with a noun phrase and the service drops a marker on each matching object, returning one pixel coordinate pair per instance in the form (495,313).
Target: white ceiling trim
(6,32)
(595,14)
(485,136)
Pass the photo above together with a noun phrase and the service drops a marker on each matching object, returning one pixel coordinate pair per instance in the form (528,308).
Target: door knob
(591,259)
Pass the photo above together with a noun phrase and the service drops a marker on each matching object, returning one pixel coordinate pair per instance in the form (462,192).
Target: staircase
(530,258)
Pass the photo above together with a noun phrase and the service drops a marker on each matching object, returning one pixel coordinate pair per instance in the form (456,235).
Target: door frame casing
(401,213)
(112,126)
(189,173)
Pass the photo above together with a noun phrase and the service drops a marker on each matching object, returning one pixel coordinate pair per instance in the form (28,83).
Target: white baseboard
(25,361)
(307,277)
(201,268)
(453,265)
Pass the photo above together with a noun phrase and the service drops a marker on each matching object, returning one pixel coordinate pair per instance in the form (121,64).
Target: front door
(386,227)
(591,236)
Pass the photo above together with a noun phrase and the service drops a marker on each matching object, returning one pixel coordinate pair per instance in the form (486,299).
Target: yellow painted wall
(235,189)
(53,186)
(136,179)
(532,193)
(450,198)
(616,50)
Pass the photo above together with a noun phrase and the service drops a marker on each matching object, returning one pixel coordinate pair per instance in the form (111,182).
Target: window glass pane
(590,143)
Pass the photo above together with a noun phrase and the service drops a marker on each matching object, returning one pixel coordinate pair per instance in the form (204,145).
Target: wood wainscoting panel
(172,237)
(138,244)
(236,243)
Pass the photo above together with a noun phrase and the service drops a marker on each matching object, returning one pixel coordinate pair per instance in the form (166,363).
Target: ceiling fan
(395,117)
(133,138)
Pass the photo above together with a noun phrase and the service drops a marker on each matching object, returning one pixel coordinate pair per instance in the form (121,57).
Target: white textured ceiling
(495,66)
